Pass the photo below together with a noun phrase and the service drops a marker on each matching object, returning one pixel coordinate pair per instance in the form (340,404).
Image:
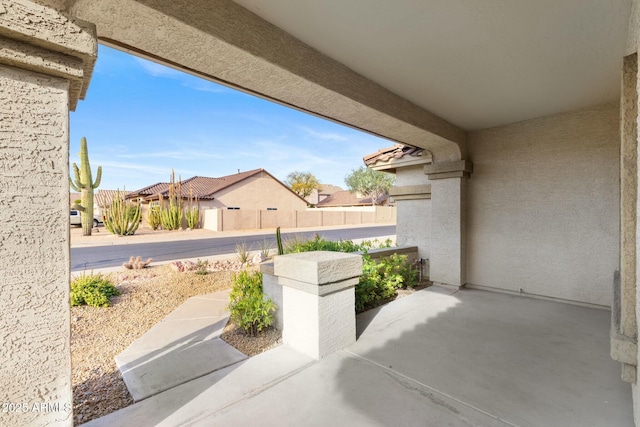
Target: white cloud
(330,136)
(205,86)
(157,70)
(182,154)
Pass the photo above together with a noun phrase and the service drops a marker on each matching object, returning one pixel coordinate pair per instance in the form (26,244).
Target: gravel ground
(147,296)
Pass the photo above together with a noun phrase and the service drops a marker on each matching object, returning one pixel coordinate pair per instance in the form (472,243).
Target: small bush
(248,307)
(202,267)
(265,248)
(296,245)
(243,252)
(193,217)
(153,217)
(381,279)
(92,289)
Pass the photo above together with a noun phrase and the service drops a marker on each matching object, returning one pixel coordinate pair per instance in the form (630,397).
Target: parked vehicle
(75,218)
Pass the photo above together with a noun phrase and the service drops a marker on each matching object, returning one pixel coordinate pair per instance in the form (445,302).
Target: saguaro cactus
(84,184)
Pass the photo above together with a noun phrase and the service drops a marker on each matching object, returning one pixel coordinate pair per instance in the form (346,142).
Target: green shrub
(297,245)
(381,279)
(92,289)
(243,252)
(122,218)
(153,217)
(202,267)
(248,307)
(193,217)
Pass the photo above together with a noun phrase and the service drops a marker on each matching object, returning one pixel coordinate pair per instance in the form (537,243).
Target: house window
(233,208)
(272,209)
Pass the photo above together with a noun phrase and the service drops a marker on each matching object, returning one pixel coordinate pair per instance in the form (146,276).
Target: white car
(75,218)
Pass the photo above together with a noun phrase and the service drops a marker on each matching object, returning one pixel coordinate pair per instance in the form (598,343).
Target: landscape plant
(85,185)
(136,263)
(380,278)
(153,217)
(243,252)
(171,210)
(122,218)
(249,309)
(192,212)
(265,248)
(302,183)
(297,245)
(279,241)
(202,267)
(92,289)
(370,183)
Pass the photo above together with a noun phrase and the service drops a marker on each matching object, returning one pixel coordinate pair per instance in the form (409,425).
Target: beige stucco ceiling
(475,63)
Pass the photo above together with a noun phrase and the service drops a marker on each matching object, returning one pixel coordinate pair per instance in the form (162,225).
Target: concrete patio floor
(437,357)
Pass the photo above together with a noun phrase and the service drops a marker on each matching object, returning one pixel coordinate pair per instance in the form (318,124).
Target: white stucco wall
(543,206)
(414,216)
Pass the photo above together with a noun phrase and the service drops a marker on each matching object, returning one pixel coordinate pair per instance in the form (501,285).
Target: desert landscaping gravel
(147,296)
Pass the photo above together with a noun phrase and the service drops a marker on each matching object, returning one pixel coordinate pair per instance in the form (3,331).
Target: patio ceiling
(475,63)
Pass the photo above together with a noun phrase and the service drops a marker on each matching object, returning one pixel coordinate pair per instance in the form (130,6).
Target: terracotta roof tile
(105,197)
(396,152)
(202,186)
(346,198)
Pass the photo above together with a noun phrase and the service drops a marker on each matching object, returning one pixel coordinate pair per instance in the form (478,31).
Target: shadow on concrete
(487,358)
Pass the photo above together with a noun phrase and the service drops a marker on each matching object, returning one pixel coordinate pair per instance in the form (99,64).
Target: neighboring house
(73,197)
(102,199)
(322,193)
(252,190)
(344,198)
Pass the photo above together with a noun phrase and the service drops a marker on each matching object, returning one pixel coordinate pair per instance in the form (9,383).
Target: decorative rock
(258,258)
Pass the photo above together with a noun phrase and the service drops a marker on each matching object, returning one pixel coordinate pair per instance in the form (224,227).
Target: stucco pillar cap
(39,39)
(457,169)
(318,268)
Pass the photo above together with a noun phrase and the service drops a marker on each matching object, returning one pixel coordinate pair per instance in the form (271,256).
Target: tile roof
(396,152)
(202,186)
(346,198)
(104,197)
(329,189)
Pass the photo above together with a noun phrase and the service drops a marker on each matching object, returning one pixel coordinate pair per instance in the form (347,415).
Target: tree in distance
(302,183)
(370,183)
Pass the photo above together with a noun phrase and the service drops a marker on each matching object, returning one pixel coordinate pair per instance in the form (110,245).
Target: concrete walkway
(184,346)
(437,357)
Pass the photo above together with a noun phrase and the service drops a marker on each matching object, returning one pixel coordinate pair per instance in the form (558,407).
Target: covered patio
(437,357)
(529,114)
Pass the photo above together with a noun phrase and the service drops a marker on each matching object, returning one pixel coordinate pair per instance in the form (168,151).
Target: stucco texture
(414,216)
(35,363)
(542,213)
(258,192)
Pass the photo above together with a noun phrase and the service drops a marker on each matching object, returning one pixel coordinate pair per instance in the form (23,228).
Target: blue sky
(142,119)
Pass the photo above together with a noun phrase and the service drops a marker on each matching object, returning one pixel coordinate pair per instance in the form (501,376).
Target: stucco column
(45,63)
(448,233)
(318,300)
(624,330)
